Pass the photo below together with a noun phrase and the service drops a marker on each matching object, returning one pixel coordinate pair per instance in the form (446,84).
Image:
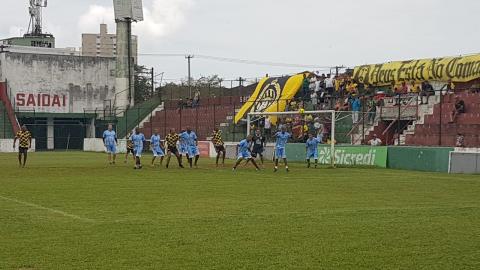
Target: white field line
(65,214)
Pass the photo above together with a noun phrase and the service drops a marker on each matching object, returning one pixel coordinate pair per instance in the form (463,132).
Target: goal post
(255,116)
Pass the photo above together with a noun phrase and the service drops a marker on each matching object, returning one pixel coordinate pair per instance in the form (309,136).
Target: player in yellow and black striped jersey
(24,138)
(219,145)
(171,144)
(129,148)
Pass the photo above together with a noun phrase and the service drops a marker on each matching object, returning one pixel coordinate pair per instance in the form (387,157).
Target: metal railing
(410,123)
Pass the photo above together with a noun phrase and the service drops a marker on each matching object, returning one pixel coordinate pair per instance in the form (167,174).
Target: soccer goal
(300,124)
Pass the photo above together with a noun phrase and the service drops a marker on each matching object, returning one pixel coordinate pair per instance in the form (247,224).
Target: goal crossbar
(332,130)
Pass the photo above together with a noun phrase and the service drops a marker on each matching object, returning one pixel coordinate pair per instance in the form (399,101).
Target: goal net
(300,124)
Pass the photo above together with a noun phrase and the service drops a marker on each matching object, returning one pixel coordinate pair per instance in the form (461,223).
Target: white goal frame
(332,130)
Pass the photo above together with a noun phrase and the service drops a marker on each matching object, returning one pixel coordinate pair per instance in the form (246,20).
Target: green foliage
(142,84)
(72,211)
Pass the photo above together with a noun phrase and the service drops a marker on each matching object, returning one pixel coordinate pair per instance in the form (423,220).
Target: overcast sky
(305,32)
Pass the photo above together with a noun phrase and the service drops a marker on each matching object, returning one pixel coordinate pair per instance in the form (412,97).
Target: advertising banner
(204,148)
(355,156)
(455,69)
(344,155)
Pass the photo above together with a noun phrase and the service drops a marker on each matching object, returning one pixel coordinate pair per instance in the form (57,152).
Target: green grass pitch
(71,211)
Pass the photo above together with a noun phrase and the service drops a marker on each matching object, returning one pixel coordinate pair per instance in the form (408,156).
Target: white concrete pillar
(91,129)
(50,134)
(124,91)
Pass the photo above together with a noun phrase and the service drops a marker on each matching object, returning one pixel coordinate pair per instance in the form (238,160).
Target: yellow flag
(272,95)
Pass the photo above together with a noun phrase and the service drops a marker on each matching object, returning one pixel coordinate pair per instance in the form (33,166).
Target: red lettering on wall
(31,101)
(45,100)
(41,100)
(56,101)
(20,99)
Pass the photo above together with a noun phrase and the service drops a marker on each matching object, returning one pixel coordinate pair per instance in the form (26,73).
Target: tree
(210,81)
(143,84)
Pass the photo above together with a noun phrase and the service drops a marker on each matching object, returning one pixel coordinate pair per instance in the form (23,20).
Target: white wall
(96,145)
(66,84)
(6,146)
(232,151)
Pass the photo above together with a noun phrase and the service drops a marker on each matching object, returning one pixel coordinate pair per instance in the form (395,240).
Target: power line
(239,61)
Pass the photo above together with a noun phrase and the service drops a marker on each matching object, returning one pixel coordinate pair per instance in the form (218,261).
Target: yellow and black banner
(272,95)
(455,69)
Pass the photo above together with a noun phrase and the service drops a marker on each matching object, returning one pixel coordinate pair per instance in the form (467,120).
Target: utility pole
(240,84)
(240,81)
(153,81)
(337,69)
(189,58)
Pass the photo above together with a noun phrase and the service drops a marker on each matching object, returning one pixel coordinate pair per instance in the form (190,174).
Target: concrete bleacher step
(153,114)
(425,131)
(358,135)
(202,119)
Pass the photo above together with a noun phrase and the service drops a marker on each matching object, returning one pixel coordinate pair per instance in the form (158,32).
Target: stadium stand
(439,129)
(131,118)
(211,112)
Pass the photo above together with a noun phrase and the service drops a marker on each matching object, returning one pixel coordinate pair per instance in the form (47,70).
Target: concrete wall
(58,83)
(231,148)
(428,159)
(206,148)
(96,145)
(6,146)
(464,162)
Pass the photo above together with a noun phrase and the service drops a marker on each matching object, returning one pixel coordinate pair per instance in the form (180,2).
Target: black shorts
(173,150)
(257,151)
(130,151)
(220,148)
(22,150)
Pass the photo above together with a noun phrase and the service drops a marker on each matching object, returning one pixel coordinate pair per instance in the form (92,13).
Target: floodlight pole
(131,94)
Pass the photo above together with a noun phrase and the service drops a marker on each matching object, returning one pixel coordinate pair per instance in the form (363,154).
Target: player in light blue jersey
(138,140)
(157,147)
(192,146)
(312,148)
(110,141)
(243,150)
(282,138)
(182,145)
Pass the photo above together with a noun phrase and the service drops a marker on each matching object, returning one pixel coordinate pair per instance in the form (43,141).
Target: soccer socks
(196,160)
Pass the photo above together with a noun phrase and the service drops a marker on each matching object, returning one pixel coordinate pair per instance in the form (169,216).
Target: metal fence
(424,119)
